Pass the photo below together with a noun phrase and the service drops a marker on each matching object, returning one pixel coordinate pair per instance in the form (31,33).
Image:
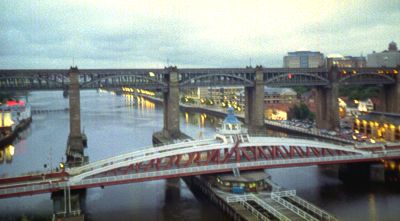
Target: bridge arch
(140,81)
(295,78)
(367,78)
(22,82)
(210,79)
(269,150)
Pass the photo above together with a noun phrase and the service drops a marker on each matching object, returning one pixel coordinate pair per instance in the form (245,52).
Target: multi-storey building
(387,58)
(304,59)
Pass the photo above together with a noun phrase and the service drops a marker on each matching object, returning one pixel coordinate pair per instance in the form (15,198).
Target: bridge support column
(75,141)
(68,204)
(389,96)
(254,100)
(327,105)
(171,105)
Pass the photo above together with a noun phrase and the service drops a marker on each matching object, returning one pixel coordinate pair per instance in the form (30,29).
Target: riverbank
(273,125)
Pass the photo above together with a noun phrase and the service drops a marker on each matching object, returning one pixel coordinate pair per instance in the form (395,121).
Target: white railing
(261,203)
(277,197)
(285,193)
(147,151)
(254,211)
(162,153)
(215,167)
(321,213)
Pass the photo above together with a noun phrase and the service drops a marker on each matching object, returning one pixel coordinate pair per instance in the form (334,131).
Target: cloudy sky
(135,34)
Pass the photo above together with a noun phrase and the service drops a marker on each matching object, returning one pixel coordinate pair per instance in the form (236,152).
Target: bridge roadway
(156,79)
(186,158)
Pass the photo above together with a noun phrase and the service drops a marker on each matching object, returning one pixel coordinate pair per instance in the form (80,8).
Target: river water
(118,124)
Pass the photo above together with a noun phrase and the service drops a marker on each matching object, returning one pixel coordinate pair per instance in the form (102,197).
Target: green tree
(301,112)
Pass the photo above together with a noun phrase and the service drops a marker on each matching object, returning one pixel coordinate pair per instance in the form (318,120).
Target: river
(118,124)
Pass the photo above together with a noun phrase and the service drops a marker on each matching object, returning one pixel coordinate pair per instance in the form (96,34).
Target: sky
(155,34)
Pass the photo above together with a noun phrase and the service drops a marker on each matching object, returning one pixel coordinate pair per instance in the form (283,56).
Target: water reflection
(6,154)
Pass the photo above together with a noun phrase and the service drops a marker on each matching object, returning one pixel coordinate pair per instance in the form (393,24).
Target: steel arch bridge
(195,158)
(155,79)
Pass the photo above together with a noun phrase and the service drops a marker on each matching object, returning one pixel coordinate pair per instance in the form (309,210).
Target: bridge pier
(171,105)
(254,99)
(390,97)
(75,143)
(67,204)
(327,115)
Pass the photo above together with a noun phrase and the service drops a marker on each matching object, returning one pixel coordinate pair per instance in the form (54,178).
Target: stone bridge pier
(75,143)
(254,103)
(389,97)
(171,105)
(327,113)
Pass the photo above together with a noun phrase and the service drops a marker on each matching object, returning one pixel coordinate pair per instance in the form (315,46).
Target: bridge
(171,80)
(231,148)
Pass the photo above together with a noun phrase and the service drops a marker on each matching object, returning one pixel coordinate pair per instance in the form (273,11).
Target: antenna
(250,61)
(73,61)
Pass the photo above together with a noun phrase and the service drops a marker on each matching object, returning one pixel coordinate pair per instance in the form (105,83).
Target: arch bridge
(196,157)
(171,80)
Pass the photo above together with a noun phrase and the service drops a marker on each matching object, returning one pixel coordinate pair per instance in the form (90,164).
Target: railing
(218,167)
(140,153)
(255,212)
(278,198)
(285,193)
(264,205)
(192,170)
(321,213)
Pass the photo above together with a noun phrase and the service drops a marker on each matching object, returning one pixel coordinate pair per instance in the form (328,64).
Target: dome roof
(230,117)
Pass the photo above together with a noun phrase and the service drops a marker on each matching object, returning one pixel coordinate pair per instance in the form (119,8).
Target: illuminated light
(356,131)
(385,125)
(392,126)
(6,119)
(372,140)
(344,72)
(357,121)
(376,124)
(290,76)
(354,72)
(356,101)
(395,71)
(61,165)
(186,117)
(392,165)
(364,122)
(15,103)
(354,137)
(151,74)
(10,149)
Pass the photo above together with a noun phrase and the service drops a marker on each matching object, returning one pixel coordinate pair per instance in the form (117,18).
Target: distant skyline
(153,34)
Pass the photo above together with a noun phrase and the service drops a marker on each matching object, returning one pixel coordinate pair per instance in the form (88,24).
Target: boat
(15,116)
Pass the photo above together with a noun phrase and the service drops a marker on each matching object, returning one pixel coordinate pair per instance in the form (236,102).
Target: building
(304,59)
(378,126)
(278,101)
(217,94)
(347,61)
(387,58)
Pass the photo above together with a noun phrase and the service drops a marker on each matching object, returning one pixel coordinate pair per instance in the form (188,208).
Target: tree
(301,112)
